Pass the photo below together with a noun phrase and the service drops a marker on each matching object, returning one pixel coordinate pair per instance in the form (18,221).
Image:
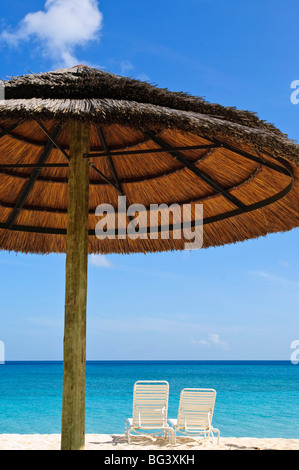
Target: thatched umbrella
(73,139)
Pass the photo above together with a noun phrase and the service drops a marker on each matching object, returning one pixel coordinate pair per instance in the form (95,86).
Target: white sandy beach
(118,442)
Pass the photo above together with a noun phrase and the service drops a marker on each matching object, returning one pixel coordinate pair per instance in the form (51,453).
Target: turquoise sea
(254,398)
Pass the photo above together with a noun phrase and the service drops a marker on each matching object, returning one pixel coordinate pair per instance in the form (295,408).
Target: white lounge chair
(195,414)
(150,404)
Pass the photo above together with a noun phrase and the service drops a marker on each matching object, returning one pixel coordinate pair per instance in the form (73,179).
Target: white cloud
(123,67)
(101,261)
(273,278)
(213,341)
(216,341)
(284,263)
(126,66)
(266,275)
(60,28)
(143,77)
(201,342)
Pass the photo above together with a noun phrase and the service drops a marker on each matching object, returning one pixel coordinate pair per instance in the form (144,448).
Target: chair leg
(213,437)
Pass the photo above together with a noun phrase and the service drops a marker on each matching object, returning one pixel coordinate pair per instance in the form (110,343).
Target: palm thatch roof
(150,144)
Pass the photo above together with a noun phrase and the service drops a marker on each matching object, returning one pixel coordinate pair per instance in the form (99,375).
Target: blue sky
(234,302)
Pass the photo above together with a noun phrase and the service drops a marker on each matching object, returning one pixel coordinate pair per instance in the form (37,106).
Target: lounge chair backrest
(150,403)
(196,408)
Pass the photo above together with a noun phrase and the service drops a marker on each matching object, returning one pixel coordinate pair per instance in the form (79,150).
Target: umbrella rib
(38,143)
(151,151)
(110,160)
(9,129)
(68,157)
(112,166)
(205,221)
(181,158)
(193,200)
(136,179)
(33,165)
(249,156)
(32,179)
(53,140)
(104,177)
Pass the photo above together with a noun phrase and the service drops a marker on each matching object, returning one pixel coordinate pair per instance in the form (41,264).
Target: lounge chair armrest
(209,419)
(185,420)
(164,415)
(173,421)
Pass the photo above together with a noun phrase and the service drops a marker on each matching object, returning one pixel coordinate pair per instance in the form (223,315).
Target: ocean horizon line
(153,361)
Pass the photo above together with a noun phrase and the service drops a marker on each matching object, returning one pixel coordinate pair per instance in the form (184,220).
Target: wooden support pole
(73,402)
